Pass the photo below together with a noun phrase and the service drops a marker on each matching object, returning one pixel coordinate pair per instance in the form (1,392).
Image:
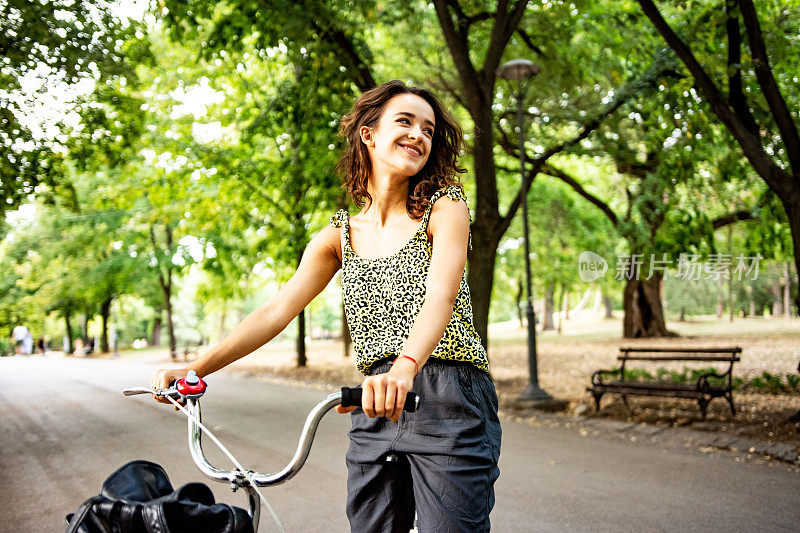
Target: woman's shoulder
(453,209)
(456,206)
(329,237)
(452,213)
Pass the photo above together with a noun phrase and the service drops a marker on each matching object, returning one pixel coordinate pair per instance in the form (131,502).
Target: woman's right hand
(164,377)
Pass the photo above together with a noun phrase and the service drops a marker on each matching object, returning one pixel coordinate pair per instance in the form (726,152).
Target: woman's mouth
(416,152)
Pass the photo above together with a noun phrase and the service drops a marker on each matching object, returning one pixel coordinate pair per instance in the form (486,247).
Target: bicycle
(185,393)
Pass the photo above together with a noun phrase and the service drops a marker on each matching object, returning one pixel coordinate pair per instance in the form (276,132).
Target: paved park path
(64,426)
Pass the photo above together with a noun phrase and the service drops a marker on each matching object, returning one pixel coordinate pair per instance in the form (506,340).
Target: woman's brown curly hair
(441,170)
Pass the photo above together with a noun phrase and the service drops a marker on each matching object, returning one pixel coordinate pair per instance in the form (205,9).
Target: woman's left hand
(385,394)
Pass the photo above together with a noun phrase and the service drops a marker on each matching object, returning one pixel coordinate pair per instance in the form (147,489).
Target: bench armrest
(597,376)
(702,381)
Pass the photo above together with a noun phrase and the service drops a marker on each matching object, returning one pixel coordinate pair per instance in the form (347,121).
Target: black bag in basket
(138,498)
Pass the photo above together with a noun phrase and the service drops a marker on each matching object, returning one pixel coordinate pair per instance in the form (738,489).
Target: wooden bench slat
(734,349)
(677,358)
(652,392)
(651,385)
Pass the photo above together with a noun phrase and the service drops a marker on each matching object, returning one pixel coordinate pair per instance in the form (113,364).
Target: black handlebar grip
(351,397)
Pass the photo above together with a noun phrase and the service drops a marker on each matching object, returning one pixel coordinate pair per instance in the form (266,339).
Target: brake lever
(169,391)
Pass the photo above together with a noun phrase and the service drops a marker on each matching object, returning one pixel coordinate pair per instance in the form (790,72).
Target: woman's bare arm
(317,267)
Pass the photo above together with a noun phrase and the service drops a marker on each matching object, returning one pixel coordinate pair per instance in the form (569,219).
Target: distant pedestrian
(27,344)
(18,335)
(40,346)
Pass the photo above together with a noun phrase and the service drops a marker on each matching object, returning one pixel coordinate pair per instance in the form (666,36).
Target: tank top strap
(455,194)
(341,219)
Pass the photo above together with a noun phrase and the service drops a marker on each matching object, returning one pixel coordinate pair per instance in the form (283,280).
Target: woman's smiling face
(401,141)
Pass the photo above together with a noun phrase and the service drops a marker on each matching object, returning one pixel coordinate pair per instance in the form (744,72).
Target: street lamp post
(520,70)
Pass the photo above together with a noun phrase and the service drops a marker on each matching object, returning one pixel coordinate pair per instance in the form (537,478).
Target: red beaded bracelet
(412,360)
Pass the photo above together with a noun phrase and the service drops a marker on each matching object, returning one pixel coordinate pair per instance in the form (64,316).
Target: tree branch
(538,162)
(730,218)
(480,16)
(529,42)
(504,27)
(751,145)
(572,182)
(459,50)
(441,83)
(662,65)
(772,93)
(357,70)
(735,94)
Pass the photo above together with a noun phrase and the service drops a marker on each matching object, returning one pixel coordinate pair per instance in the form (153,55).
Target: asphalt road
(65,426)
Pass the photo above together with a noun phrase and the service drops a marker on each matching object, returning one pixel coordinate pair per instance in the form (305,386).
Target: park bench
(702,390)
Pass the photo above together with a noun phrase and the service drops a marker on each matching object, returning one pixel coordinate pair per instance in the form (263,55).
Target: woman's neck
(389,196)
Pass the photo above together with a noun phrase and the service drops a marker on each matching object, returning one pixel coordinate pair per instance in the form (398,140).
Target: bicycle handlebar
(347,397)
(351,397)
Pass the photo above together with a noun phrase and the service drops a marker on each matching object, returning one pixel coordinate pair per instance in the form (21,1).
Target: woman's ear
(365,132)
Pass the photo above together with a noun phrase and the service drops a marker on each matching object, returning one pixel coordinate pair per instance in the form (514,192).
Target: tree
(336,32)
(755,110)
(47,44)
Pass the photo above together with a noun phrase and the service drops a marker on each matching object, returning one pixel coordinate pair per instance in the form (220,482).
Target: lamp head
(517,70)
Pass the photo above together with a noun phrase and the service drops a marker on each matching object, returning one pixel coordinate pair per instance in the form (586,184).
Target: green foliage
(765,383)
(773,383)
(45,46)
(242,183)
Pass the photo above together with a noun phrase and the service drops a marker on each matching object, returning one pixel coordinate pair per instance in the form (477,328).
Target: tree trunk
(566,304)
(777,302)
(347,340)
(787,290)
(518,295)
(683,314)
(609,311)
(480,277)
(70,339)
(85,328)
(105,311)
(561,308)
(730,273)
(549,302)
(155,337)
(167,288)
(301,339)
(644,313)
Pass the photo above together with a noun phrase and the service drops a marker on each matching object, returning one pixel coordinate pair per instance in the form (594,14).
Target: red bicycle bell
(191,386)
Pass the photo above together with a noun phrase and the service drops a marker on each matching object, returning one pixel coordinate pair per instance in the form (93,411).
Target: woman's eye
(404,120)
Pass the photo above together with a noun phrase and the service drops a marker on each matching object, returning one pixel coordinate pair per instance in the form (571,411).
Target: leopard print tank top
(383,296)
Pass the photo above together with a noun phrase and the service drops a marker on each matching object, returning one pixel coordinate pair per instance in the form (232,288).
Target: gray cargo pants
(448,452)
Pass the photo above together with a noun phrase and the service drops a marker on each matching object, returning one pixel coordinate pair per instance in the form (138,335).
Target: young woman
(408,308)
